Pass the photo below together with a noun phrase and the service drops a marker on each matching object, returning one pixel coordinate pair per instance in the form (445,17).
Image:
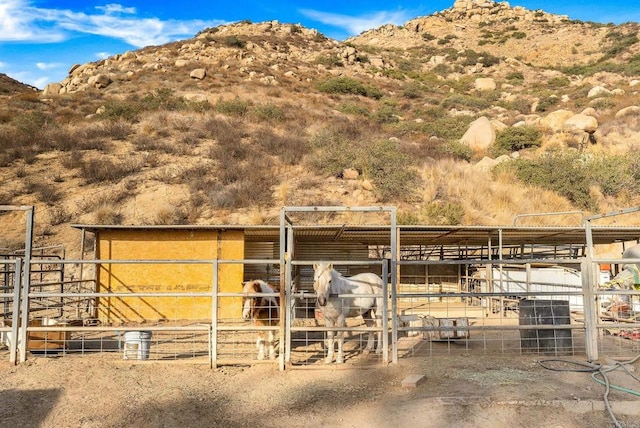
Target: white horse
(328,284)
(262,311)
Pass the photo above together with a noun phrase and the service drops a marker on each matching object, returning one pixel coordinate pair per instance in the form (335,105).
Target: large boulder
(581,122)
(556,119)
(52,89)
(598,91)
(99,81)
(480,134)
(485,84)
(198,73)
(628,111)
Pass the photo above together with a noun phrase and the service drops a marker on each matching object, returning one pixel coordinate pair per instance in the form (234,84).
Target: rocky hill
(9,86)
(468,116)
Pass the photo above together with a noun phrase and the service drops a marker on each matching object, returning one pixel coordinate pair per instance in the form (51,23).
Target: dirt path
(460,391)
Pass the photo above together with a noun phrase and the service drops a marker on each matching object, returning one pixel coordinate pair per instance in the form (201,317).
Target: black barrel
(546,312)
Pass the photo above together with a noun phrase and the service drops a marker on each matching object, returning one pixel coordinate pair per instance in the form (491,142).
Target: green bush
(461,101)
(515,77)
(386,114)
(449,128)
(329,61)
(390,170)
(234,107)
(348,108)
(572,175)
(348,85)
(128,110)
(516,138)
(413,90)
(380,161)
(558,82)
(472,57)
(427,37)
(455,149)
(547,102)
(523,105)
(443,213)
(269,112)
(162,99)
(234,42)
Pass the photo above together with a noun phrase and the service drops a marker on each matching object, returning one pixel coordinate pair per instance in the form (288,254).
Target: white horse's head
(322,281)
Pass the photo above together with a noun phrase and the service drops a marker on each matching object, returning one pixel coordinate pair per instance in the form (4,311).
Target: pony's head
(250,303)
(322,281)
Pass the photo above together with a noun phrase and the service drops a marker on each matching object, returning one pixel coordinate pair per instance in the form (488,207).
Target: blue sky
(41,40)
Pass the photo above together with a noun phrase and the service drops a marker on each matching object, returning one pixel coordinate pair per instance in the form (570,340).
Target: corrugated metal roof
(415,235)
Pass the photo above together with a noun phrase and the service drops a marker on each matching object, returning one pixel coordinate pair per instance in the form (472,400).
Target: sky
(40,40)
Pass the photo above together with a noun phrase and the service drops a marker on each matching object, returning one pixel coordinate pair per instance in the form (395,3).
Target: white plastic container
(136,345)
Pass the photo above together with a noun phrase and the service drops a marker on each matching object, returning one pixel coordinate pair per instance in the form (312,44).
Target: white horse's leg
(272,348)
(341,323)
(329,342)
(260,345)
(368,320)
(379,314)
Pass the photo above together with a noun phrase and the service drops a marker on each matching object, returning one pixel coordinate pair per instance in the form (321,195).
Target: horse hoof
(366,351)
(339,361)
(328,360)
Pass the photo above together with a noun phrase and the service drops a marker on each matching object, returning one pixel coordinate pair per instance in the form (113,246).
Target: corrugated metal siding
(330,251)
(259,251)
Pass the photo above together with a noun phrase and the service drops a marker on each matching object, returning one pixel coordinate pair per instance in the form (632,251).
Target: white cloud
(357,24)
(19,21)
(103,55)
(113,8)
(48,65)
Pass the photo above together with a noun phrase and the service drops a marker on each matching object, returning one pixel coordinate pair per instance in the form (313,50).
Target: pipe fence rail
(474,306)
(548,306)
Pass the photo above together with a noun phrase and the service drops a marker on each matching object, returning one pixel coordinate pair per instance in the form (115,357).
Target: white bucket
(136,345)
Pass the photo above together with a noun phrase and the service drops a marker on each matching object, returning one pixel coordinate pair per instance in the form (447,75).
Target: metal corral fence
(185,324)
(472,306)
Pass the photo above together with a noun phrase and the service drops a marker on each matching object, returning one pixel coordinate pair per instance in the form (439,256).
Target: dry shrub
(72,160)
(59,215)
(170,215)
(222,130)
(243,184)
(117,130)
(45,192)
(114,197)
(107,214)
(290,148)
(101,170)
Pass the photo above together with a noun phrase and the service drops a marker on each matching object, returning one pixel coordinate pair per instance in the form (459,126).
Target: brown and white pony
(260,305)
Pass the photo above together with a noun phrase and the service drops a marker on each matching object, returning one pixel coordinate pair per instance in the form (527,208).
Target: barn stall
(173,293)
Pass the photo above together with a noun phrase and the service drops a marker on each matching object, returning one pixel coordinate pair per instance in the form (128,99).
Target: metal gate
(304,330)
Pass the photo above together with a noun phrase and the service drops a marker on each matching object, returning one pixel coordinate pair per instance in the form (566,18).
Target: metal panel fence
(469,306)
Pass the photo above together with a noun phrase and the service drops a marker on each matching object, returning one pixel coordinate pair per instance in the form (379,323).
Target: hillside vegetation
(468,116)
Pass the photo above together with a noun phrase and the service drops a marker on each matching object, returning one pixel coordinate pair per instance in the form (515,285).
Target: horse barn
(175,292)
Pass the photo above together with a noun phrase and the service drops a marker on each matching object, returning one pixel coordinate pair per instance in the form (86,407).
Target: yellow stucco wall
(165,244)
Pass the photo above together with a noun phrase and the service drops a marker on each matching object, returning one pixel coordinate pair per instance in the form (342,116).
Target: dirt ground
(457,390)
